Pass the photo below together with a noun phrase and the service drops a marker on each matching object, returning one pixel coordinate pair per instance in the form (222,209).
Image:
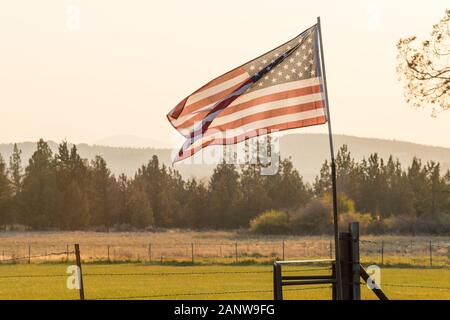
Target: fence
(420,253)
(259,276)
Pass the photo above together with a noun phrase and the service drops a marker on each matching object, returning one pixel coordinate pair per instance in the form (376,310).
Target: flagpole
(333,173)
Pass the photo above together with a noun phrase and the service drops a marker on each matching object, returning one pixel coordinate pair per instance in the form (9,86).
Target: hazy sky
(127,63)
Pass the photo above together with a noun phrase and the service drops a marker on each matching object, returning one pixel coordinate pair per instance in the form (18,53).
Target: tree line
(62,191)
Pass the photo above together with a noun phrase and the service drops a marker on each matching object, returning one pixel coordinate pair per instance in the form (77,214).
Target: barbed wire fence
(423,253)
(372,247)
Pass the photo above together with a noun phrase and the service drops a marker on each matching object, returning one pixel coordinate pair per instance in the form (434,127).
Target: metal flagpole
(333,173)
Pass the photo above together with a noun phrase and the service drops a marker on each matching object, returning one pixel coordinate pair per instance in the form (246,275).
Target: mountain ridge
(307,151)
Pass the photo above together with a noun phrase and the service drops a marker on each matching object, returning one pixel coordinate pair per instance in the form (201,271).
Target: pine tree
(195,209)
(38,190)
(322,183)
(102,194)
(255,197)
(286,188)
(437,188)
(224,196)
(72,196)
(417,177)
(139,208)
(5,194)
(15,169)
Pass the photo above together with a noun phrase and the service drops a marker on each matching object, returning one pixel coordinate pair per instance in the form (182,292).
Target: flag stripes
(280,90)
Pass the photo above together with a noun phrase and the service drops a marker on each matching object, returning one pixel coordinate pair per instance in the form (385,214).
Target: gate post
(354,231)
(277,282)
(80,279)
(334,286)
(346,265)
(349,247)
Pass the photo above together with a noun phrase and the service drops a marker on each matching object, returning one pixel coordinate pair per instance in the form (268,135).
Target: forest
(62,191)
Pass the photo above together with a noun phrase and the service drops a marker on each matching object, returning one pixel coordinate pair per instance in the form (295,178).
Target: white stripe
(278,88)
(253,95)
(217,88)
(274,105)
(261,124)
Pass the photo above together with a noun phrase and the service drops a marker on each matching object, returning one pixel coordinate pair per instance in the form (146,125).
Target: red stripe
(211,99)
(225,77)
(270,114)
(251,103)
(180,109)
(254,133)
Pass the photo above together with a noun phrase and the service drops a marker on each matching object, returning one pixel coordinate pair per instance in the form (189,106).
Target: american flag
(282,89)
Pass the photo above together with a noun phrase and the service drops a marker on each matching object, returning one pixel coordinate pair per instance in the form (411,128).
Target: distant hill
(308,152)
(130,141)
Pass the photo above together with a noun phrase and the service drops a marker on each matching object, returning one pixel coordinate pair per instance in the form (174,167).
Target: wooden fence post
(354,232)
(346,265)
(107,247)
(149,253)
(29,253)
(431,254)
(283,250)
(277,282)
(78,258)
(192,251)
(331,250)
(67,253)
(236,252)
(334,285)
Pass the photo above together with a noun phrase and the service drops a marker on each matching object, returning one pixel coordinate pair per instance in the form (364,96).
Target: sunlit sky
(127,63)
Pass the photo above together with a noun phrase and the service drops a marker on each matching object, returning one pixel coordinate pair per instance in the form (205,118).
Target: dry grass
(215,247)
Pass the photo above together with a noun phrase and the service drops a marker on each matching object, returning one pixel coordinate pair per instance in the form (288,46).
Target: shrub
(377,226)
(271,222)
(314,219)
(438,224)
(364,219)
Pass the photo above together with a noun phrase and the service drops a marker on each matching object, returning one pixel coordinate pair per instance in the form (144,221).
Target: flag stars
(292,62)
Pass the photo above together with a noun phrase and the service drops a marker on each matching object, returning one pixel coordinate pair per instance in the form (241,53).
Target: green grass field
(126,281)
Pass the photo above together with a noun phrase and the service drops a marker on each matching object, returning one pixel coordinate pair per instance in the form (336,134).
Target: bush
(364,219)
(439,224)
(271,222)
(314,219)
